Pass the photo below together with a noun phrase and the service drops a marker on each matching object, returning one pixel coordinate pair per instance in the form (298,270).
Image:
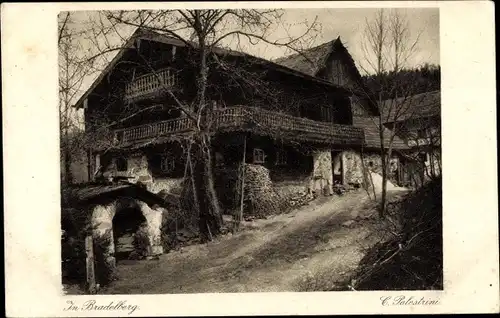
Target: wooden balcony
(254,120)
(286,126)
(150,84)
(148,131)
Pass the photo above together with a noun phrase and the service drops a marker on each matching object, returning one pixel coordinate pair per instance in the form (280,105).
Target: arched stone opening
(129,230)
(126,216)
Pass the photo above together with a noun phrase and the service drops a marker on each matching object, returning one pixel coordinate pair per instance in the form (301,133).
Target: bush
(417,253)
(141,242)
(75,226)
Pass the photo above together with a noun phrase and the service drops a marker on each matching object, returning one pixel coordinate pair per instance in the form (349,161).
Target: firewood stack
(261,199)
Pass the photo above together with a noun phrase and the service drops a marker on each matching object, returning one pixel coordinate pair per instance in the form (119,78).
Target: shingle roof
(85,193)
(417,106)
(372,139)
(310,61)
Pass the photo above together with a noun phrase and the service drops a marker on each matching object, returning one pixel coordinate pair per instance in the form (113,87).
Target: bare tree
(204,32)
(73,69)
(388,45)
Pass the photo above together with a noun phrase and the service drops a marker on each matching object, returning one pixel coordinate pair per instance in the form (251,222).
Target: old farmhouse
(297,124)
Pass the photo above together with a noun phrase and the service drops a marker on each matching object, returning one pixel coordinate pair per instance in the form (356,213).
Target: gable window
(167,164)
(259,156)
(121,164)
(281,158)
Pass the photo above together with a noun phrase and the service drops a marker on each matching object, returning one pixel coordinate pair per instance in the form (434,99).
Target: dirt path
(308,249)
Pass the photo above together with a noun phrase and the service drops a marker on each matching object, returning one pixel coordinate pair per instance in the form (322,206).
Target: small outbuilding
(119,214)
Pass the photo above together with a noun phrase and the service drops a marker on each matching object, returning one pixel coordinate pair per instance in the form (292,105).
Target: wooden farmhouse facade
(298,126)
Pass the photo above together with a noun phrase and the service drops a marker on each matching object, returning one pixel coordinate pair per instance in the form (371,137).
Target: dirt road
(308,249)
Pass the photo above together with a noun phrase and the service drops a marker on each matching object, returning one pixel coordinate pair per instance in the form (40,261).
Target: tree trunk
(383,201)
(68,178)
(383,156)
(65,148)
(210,213)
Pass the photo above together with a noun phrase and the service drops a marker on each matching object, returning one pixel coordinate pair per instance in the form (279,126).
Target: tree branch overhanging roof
(146,34)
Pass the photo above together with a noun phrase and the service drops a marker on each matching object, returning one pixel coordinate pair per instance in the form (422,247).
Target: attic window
(259,156)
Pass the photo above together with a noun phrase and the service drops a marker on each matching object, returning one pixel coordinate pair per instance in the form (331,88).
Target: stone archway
(103,219)
(128,226)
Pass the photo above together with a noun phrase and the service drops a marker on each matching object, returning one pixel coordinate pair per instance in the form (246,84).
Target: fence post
(90,271)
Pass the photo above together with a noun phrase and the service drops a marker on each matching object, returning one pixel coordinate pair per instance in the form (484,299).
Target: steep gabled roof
(309,61)
(312,61)
(146,34)
(416,106)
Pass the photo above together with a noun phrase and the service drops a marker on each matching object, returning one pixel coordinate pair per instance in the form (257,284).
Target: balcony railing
(150,84)
(152,130)
(250,119)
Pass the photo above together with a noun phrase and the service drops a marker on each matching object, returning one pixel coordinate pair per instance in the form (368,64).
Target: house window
(259,156)
(121,164)
(281,158)
(167,164)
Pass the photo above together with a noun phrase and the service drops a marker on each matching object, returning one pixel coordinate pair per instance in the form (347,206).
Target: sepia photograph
(249,158)
(248,150)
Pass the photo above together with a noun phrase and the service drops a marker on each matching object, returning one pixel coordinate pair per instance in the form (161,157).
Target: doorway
(337,167)
(126,225)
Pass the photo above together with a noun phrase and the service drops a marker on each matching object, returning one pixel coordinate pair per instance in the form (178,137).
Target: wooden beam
(90,270)
(238,220)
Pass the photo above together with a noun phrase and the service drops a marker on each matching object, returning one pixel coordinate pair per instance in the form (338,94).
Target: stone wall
(102,224)
(353,167)
(171,185)
(322,178)
(137,168)
(139,171)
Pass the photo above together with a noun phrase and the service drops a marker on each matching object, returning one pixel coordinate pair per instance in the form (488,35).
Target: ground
(316,247)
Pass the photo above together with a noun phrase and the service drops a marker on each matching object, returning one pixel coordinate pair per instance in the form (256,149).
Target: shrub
(417,252)
(75,226)
(141,241)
